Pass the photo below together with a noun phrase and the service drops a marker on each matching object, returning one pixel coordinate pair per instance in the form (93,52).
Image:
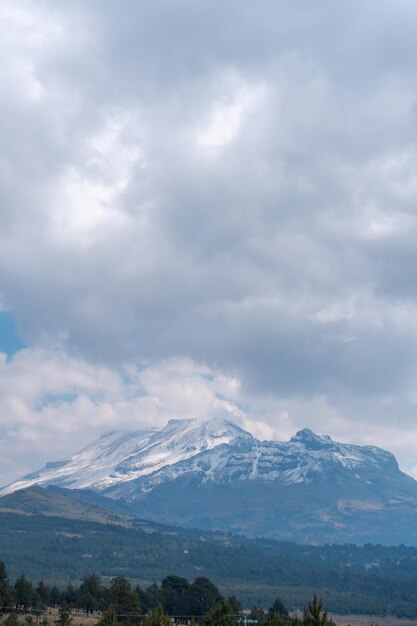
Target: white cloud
(52,404)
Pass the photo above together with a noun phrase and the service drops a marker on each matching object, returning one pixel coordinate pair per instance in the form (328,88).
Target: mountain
(214,475)
(37,501)
(119,458)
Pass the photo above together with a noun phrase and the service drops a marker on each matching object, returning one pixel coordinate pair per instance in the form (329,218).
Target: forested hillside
(372,579)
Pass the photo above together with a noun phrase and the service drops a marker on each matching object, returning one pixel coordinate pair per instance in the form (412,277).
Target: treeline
(175,594)
(199,602)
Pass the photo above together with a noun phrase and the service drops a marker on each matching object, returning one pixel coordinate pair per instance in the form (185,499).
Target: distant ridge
(37,501)
(214,475)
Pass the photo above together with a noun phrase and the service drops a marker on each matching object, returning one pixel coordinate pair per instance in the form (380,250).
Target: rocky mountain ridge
(218,449)
(213,474)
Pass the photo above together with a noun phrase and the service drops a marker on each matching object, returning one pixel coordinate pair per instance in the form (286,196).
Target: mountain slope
(57,549)
(38,501)
(120,457)
(213,474)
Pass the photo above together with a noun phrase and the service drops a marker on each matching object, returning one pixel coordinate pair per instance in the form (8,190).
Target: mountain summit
(214,474)
(118,458)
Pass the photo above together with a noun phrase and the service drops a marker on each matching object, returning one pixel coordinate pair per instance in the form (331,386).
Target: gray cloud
(226,182)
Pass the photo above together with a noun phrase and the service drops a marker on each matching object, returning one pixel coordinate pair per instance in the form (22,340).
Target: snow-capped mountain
(218,450)
(120,457)
(213,474)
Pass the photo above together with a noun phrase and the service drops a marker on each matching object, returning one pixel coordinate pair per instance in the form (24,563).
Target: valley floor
(51,614)
(366,620)
(80,618)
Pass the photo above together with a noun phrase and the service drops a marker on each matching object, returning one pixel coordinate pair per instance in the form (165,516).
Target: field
(79,618)
(366,620)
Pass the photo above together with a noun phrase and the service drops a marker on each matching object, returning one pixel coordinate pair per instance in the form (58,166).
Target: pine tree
(157,617)
(88,603)
(6,591)
(152,597)
(54,595)
(315,615)
(91,593)
(235,604)
(109,618)
(43,592)
(24,592)
(278,608)
(124,600)
(221,615)
(64,618)
(203,596)
(174,595)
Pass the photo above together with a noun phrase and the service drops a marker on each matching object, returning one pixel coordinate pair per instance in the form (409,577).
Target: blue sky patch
(10,340)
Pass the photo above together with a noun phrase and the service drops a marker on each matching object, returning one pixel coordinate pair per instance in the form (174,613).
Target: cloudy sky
(207,208)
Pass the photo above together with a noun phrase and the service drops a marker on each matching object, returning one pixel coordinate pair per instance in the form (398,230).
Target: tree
(315,615)
(91,593)
(64,616)
(203,596)
(235,604)
(88,603)
(54,595)
(157,617)
(43,592)
(11,620)
(143,599)
(278,608)
(109,618)
(124,600)
(24,592)
(151,597)
(3,573)
(6,591)
(173,595)
(221,615)
(70,595)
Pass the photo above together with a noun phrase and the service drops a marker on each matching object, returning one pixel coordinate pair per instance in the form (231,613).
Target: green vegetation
(365,580)
(121,605)
(221,615)
(157,617)
(64,618)
(109,617)
(120,602)
(314,613)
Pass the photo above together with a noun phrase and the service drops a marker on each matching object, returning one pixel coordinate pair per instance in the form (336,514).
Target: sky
(207,209)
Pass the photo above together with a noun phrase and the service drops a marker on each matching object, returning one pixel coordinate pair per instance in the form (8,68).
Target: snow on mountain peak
(122,456)
(310,439)
(126,464)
